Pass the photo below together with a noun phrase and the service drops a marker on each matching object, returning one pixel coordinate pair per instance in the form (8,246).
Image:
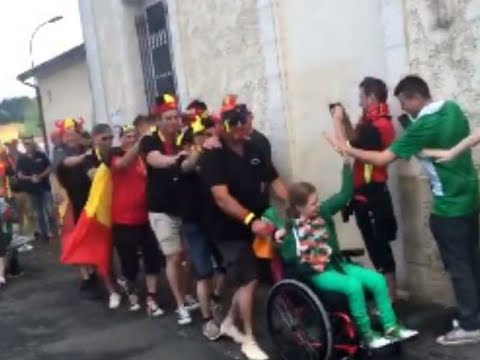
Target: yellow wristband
(249,218)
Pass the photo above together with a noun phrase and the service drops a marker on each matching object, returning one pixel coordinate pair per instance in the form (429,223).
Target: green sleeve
(338,201)
(272,215)
(287,249)
(417,137)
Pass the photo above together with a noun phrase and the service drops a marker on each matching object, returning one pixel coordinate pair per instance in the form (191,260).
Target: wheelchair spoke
(291,315)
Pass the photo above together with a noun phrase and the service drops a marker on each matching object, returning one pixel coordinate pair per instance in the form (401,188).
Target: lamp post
(35,85)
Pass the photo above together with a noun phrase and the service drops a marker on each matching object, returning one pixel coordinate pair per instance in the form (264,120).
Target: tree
(21,110)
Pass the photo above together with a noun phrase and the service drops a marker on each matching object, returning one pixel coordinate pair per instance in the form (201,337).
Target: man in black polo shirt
(165,183)
(74,166)
(238,177)
(33,169)
(255,136)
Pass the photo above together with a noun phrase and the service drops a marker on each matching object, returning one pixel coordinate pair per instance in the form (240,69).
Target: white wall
(327,47)
(66,93)
(114,59)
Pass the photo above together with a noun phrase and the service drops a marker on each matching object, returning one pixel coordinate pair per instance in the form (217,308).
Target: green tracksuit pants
(353,283)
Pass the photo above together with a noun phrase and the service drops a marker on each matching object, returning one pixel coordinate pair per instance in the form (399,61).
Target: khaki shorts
(167,230)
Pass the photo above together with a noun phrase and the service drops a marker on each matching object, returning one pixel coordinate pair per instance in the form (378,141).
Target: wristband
(249,219)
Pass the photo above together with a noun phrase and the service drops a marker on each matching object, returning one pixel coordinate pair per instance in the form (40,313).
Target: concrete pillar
(100,111)
(114,59)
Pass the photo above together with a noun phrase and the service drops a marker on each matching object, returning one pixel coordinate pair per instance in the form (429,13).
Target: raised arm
(122,162)
(71,161)
(338,201)
(447,155)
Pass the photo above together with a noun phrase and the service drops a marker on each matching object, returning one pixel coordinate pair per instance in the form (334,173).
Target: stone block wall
(228,47)
(443,47)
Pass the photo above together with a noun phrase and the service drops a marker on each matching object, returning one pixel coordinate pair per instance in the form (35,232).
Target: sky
(18,20)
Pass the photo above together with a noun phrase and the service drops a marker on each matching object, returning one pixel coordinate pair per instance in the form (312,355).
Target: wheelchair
(309,325)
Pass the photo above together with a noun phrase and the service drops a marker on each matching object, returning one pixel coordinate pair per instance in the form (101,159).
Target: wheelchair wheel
(298,322)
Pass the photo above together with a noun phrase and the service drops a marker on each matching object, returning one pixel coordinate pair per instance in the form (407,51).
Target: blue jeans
(42,204)
(204,255)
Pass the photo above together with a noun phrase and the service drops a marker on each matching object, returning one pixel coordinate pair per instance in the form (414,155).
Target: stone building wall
(229,47)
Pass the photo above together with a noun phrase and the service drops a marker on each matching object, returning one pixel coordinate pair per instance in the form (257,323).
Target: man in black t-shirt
(75,168)
(205,256)
(165,183)
(238,177)
(258,138)
(33,171)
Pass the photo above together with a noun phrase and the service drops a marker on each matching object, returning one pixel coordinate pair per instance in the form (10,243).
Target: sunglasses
(107,138)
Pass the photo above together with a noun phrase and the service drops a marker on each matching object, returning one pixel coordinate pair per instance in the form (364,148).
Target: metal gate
(154,39)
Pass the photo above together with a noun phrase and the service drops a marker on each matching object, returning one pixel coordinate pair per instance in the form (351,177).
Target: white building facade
(64,87)
(288,59)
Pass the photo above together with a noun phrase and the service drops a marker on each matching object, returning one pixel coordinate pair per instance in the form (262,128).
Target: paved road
(41,317)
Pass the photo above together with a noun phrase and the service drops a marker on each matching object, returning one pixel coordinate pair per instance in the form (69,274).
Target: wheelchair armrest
(352,253)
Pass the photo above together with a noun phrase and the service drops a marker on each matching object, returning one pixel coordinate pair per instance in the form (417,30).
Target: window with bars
(154,39)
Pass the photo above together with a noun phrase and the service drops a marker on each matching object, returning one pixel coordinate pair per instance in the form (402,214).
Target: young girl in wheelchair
(308,243)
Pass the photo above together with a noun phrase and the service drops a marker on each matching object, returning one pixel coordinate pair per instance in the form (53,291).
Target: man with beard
(238,177)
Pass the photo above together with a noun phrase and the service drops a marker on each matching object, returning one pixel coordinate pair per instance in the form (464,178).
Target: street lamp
(35,86)
(50,21)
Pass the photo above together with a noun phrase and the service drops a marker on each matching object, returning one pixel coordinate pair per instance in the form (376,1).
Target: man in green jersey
(454,221)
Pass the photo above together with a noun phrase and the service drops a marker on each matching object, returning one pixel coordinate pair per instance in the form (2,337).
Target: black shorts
(129,240)
(240,261)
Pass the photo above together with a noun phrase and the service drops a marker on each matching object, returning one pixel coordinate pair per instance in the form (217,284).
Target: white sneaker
(378,342)
(134,305)
(229,329)
(211,330)
(458,336)
(252,351)
(3,282)
(114,301)
(191,303)
(184,317)
(401,333)
(153,309)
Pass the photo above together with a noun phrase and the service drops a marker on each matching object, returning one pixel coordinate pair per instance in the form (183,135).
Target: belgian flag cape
(90,242)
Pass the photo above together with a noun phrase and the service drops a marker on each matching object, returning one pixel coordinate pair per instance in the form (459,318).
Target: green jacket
(328,209)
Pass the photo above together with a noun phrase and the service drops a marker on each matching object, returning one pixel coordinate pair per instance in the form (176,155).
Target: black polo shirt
(248,178)
(34,165)
(164,185)
(262,142)
(75,179)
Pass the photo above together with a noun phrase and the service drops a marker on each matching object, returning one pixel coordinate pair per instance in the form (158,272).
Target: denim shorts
(205,257)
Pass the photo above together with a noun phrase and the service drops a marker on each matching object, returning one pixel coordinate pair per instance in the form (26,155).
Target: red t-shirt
(129,200)
(376,135)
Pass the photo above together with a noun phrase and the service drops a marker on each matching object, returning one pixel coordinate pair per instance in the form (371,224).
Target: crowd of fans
(191,192)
